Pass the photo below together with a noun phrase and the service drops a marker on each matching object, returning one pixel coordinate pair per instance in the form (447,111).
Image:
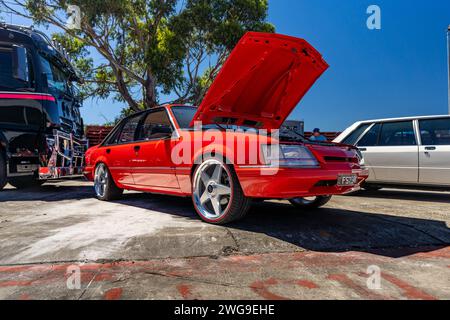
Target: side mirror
(20,64)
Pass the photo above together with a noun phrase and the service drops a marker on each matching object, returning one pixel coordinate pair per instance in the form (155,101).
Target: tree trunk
(123,89)
(150,93)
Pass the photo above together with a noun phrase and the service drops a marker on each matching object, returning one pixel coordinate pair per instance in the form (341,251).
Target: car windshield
(184,116)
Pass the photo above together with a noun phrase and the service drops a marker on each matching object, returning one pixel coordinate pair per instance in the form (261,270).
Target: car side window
(398,134)
(353,137)
(370,139)
(127,135)
(435,131)
(155,126)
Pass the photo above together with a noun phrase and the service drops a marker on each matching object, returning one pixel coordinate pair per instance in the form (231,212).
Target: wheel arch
(200,156)
(104,161)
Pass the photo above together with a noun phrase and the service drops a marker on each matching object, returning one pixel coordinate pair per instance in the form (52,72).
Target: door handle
(362,149)
(430,148)
(108,151)
(137,148)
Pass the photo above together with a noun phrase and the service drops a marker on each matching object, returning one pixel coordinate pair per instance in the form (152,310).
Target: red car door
(152,166)
(120,153)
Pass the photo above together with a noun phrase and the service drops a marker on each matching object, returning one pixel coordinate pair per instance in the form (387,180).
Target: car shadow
(322,230)
(411,195)
(339,230)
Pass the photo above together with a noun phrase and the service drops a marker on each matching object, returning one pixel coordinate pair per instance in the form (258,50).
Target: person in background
(317,136)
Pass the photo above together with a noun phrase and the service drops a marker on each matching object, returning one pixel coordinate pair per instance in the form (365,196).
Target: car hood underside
(262,81)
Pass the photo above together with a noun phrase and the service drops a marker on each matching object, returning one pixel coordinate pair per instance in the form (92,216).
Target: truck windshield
(57,80)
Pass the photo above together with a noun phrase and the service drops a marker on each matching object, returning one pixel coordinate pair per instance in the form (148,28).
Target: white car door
(390,151)
(434,152)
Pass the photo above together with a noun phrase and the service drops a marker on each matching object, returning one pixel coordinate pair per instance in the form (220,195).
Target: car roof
(351,128)
(157,108)
(403,119)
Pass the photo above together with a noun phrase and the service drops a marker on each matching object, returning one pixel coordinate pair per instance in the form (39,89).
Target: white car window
(397,134)
(435,132)
(353,137)
(370,139)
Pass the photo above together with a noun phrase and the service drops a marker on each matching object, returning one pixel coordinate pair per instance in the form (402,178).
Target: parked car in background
(403,152)
(259,85)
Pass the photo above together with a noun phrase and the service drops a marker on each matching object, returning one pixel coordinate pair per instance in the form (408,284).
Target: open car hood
(264,78)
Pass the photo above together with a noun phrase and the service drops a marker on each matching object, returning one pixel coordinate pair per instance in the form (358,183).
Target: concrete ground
(154,247)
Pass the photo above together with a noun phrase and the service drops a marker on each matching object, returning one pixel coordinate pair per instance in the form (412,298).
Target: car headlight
(286,155)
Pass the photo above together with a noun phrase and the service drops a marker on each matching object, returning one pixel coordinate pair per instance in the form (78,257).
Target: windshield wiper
(303,138)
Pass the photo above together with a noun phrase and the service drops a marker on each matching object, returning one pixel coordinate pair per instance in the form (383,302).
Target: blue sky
(400,70)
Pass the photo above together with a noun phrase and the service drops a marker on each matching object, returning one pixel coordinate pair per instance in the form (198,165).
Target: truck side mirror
(20,65)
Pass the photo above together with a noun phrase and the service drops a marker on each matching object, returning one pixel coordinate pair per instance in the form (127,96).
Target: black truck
(41,130)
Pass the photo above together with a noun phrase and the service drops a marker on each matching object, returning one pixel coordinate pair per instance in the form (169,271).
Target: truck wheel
(104,185)
(25,182)
(2,170)
(216,193)
(310,202)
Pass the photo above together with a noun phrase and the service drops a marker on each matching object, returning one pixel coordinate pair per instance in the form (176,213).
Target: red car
(237,155)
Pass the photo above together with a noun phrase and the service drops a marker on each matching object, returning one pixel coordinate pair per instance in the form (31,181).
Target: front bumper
(288,183)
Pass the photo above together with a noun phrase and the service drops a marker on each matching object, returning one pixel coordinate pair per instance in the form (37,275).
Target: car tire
(217,194)
(25,182)
(306,203)
(104,185)
(3,179)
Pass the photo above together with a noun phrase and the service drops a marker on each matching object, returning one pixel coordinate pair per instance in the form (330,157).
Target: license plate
(22,168)
(347,180)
